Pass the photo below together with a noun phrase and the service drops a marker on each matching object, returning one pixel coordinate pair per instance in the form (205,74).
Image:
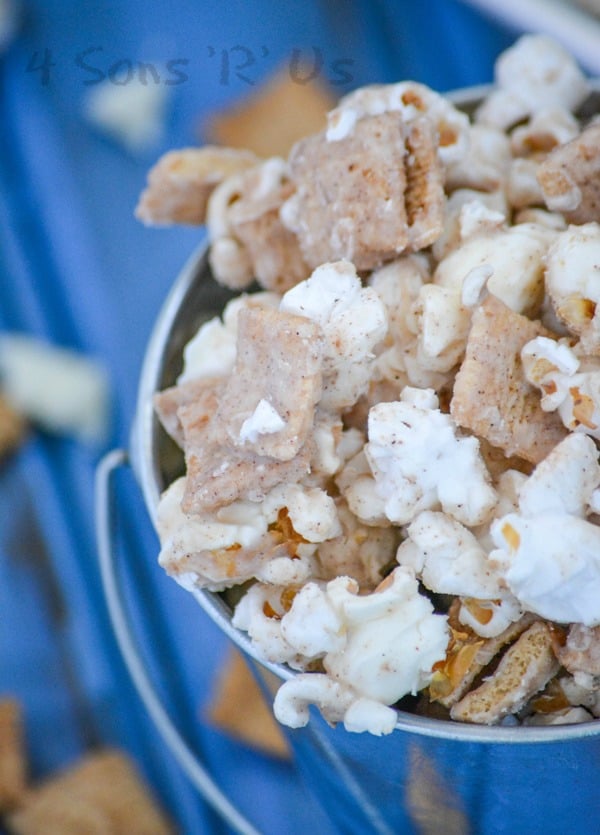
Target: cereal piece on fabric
(201,395)
(13,427)
(367,205)
(248,239)
(238,708)
(12,755)
(56,388)
(525,669)
(580,655)
(570,177)
(181,182)
(100,794)
(281,112)
(491,396)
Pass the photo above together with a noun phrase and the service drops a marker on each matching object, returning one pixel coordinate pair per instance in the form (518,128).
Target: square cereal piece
(218,474)
(491,396)
(379,192)
(12,755)
(278,363)
(524,670)
(181,182)
(201,393)
(355,208)
(101,795)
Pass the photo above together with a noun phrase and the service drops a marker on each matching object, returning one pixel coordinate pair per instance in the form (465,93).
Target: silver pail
(429,776)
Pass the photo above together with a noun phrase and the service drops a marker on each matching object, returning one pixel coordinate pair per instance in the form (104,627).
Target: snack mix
(392,444)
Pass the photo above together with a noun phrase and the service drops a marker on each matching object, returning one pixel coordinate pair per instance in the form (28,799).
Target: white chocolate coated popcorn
(534,74)
(448,558)
(554,367)
(233,544)
(412,100)
(572,281)
(548,553)
(419,462)
(392,639)
(353,320)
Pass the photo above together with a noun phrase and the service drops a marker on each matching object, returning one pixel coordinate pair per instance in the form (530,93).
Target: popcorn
(358,487)
(522,186)
(407,418)
(547,129)
(259,613)
(534,74)
(448,558)
(411,101)
(489,618)
(391,641)
(486,163)
(353,321)
(548,552)
(268,540)
(516,257)
(553,367)
(419,462)
(454,230)
(571,281)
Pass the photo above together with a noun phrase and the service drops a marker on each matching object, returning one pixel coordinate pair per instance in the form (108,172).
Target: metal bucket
(429,775)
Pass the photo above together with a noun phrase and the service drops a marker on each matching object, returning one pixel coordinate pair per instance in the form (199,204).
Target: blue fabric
(78,270)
